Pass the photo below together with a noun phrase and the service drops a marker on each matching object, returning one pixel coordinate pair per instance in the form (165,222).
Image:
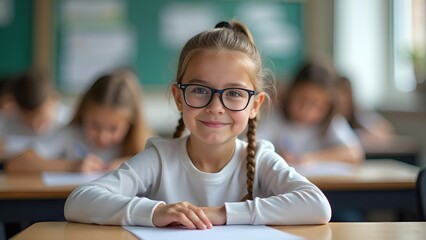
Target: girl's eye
(234,93)
(199,90)
(113,129)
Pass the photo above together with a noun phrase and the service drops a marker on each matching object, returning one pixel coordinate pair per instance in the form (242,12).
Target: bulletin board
(147,36)
(16,36)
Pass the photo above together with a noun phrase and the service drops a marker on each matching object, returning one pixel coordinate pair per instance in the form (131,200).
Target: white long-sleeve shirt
(70,143)
(164,173)
(299,139)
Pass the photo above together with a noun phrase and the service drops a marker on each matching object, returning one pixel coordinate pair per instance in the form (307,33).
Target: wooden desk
(23,197)
(380,184)
(401,148)
(330,231)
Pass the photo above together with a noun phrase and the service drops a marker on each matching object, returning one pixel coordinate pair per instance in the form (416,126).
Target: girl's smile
(214,124)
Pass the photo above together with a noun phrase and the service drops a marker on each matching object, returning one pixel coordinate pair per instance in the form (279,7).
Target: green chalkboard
(161,27)
(16,38)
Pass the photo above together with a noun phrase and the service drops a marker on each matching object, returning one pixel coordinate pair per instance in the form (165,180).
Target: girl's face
(105,126)
(42,118)
(214,123)
(309,104)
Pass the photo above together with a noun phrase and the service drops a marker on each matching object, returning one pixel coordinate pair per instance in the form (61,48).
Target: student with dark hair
(7,102)
(305,127)
(38,113)
(370,127)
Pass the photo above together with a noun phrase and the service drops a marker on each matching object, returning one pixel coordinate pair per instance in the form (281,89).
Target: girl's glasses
(199,96)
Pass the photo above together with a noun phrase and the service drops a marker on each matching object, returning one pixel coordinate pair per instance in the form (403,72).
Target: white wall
(361,49)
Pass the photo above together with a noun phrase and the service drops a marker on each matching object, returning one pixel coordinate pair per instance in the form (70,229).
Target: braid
(251,153)
(179,128)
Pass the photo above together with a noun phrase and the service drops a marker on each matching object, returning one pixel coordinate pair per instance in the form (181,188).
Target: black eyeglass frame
(183,87)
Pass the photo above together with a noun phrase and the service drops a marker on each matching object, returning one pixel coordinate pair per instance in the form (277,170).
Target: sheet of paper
(65,179)
(232,232)
(325,169)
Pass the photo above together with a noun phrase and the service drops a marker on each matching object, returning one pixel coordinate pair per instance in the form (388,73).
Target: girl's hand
(307,159)
(91,163)
(289,158)
(116,163)
(216,215)
(113,165)
(183,213)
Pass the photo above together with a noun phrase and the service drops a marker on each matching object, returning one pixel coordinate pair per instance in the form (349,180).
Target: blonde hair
(118,90)
(236,37)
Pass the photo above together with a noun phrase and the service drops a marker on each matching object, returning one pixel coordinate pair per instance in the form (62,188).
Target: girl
(305,129)
(106,130)
(199,180)
(370,127)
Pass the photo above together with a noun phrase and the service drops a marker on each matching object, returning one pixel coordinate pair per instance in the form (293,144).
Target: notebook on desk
(325,169)
(66,179)
(246,232)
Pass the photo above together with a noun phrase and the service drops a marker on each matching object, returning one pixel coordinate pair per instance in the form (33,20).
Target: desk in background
(330,231)
(380,184)
(401,148)
(24,198)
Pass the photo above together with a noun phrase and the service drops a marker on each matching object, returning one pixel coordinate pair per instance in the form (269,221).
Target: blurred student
(305,128)
(37,113)
(7,102)
(370,126)
(106,130)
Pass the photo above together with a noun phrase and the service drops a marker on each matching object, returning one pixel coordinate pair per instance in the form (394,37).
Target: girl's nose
(103,138)
(215,105)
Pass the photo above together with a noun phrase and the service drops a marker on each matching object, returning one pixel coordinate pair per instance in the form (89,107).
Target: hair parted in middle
(232,36)
(320,72)
(121,90)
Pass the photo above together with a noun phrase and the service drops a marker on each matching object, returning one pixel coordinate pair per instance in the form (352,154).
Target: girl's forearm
(31,162)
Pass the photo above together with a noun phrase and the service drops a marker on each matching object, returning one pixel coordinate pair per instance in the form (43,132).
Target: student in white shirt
(208,177)
(106,130)
(38,112)
(305,127)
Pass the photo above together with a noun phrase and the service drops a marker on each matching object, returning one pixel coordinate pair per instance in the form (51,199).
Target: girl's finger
(184,220)
(193,217)
(201,215)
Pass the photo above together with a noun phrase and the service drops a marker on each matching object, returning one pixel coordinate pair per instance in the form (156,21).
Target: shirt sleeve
(341,133)
(115,198)
(282,197)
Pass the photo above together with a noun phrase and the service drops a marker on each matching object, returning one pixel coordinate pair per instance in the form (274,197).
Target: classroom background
(380,45)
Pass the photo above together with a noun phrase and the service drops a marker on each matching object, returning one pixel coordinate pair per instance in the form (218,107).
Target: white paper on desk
(325,169)
(65,178)
(231,232)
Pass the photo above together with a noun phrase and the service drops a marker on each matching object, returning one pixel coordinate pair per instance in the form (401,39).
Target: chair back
(421,193)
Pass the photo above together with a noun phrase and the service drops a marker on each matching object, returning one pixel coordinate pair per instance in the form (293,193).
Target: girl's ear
(257,102)
(177,95)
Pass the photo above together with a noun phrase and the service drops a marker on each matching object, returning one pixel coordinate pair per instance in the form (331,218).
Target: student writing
(208,177)
(38,113)
(305,127)
(106,130)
